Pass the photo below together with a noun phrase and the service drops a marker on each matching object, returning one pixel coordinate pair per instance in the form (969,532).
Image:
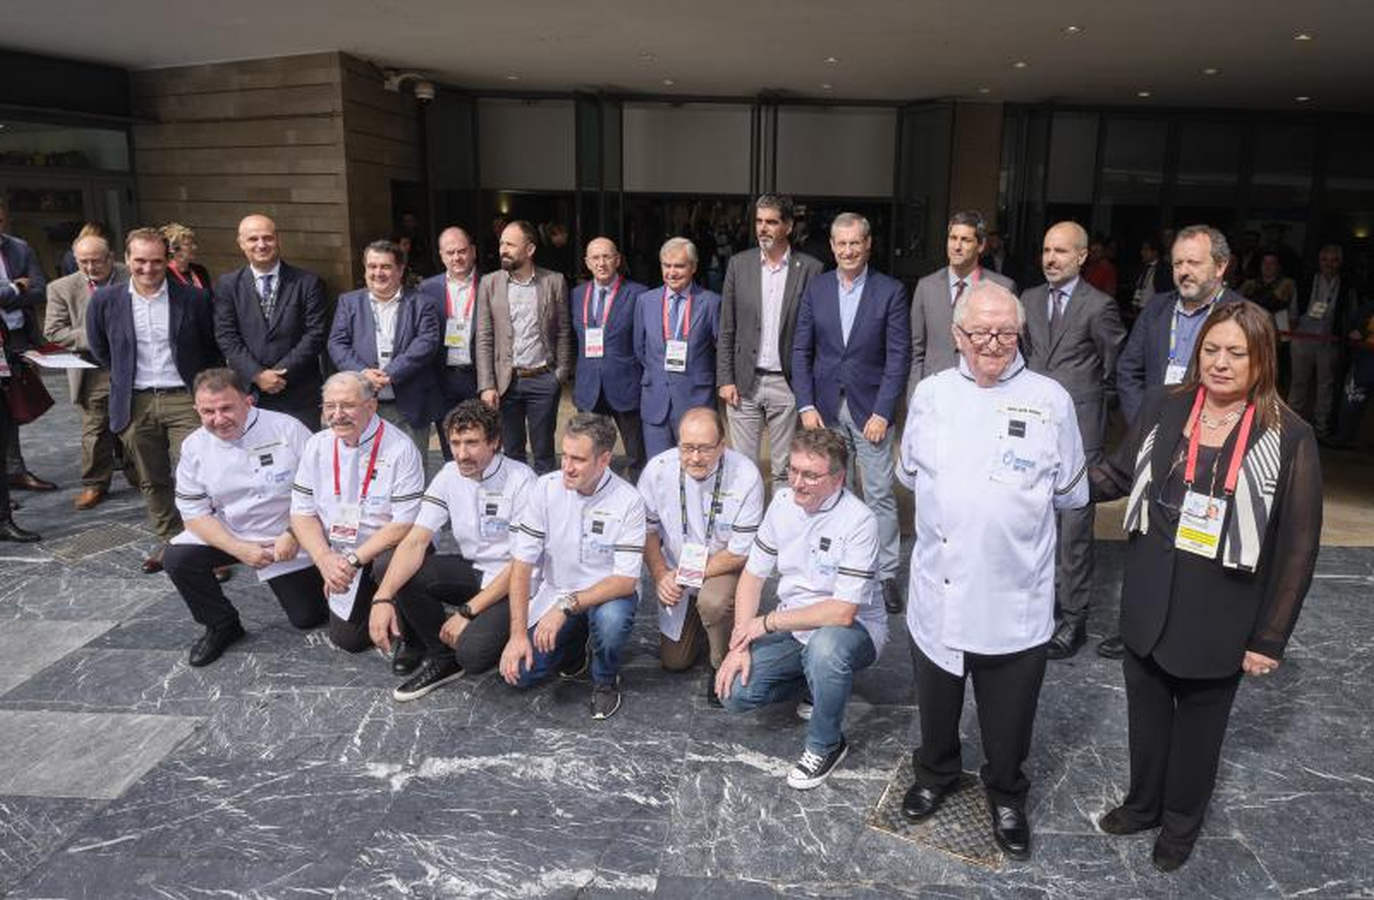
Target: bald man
(454,291)
(1073,334)
(608,372)
(270,323)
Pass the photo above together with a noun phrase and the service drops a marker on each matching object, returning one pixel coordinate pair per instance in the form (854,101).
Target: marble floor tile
(85,755)
(32,827)
(28,646)
(67,594)
(85,876)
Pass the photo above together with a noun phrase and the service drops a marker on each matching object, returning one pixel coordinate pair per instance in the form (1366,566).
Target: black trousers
(191,568)
(450,580)
(531,402)
(5,431)
(307,412)
(456,384)
(1176,729)
(631,435)
(1007,689)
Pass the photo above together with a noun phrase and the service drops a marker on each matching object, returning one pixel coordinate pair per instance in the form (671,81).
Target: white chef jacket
(478,510)
(244,483)
(831,554)
(578,540)
(737,516)
(989,466)
(398,481)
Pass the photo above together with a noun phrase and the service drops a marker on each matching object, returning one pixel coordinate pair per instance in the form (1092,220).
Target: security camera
(424,91)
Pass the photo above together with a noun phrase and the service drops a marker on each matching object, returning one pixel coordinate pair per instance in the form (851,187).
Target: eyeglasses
(688,449)
(809,478)
(981,338)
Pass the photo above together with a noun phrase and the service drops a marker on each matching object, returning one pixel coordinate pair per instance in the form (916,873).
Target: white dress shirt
(244,483)
(478,510)
(831,554)
(384,314)
(578,539)
(155,367)
(989,466)
(773,289)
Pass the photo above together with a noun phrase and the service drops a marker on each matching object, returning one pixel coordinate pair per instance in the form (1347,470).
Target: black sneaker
(406,658)
(805,706)
(712,698)
(432,673)
(574,665)
(813,768)
(605,699)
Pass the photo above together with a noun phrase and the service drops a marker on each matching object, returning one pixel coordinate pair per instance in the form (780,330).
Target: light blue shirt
(1185,330)
(849,300)
(1067,287)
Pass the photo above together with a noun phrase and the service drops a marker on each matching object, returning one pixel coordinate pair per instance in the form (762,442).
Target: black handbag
(25,394)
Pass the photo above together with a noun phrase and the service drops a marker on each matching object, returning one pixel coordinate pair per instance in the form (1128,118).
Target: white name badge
(691,565)
(675,356)
(456,344)
(494,516)
(1317,310)
(344,528)
(1199,524)
(383,357)
(1174,373)
(596,342)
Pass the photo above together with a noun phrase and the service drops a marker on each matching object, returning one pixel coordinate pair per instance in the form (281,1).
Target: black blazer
(1196,617)
(110,331)
(292,340)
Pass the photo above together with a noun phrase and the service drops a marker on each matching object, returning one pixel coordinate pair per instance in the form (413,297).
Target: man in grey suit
(932,309)
(758,320)
(65,324)
(1073,333)
(524,346)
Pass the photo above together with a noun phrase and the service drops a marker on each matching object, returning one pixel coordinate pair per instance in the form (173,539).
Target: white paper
(285,567)
(672,618)
(341,605)
(57,360)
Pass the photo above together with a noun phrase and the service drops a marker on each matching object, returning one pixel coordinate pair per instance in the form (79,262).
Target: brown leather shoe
(89,497)
(153,564)
(223,573)
(30,482)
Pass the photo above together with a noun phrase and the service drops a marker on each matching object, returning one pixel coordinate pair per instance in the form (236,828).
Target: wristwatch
(352,559)
(568,603)
(466,612)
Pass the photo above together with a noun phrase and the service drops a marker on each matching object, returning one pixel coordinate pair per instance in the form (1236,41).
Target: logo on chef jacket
(1016,463)
(1016,428)
(265,459)
(598,526)
(825,544)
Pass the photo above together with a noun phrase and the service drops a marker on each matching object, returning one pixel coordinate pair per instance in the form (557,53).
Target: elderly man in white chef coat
(991,450)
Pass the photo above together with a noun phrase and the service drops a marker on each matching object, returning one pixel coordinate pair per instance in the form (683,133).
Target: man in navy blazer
(270,323)
(22,288)
(849,366)
(608,372)
(154,335)
(676,328)
(391,335)
(454,294)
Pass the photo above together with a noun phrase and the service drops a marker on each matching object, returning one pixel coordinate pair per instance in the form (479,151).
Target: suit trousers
(1314,370)
(1006,688)
(772,403)
(529,409)
(450,580)
(308,414)
(1075,551)
(191,569)
(159,420)
(388,410)
(877,468)
(710,618)
(1176,730)
(631,429)
(97,441)
(14,455)
(456,384)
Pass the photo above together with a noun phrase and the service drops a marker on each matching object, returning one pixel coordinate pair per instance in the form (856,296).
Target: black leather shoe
(712,699)
(921,802)
(213,643)
(1011,830)
(12,532)
(1111,648)
(1168,855)
(27,481)
(223,573)
(406,658)
(1069,635)
(1118,821)
(153,563)
(892,597)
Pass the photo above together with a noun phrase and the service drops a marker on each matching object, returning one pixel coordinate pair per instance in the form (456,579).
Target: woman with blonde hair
(181,264)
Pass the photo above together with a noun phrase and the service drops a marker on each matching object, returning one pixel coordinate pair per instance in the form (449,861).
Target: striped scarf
(1251,505)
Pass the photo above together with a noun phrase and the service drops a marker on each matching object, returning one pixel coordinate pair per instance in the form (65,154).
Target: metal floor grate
(961,828)
(97,540)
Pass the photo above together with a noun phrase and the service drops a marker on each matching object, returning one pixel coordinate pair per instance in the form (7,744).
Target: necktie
(1056,308)
(676,315)
(91,282)
(265,294)
(600,307)
(958,290)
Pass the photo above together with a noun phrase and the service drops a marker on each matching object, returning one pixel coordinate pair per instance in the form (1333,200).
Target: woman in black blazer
(8,364)
(181,263)
(1223,525)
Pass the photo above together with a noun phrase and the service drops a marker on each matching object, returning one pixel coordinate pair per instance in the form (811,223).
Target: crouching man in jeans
(829,622)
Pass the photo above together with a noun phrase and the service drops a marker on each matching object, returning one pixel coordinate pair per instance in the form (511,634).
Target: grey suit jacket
(741,305)
(65,322)
(932,323)
(496,339)
(1080,355)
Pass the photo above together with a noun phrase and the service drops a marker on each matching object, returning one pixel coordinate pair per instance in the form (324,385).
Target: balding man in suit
(1073,335)
(454,290)
(932,309)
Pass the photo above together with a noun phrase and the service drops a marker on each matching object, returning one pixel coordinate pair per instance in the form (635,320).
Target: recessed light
(831,60)
(985,90)
(1019,64)
(1211,70)
(668,82)
(1302,36)
(647,56)
(825,85)
(512,77)
(1302,98)
(1071,30)
(1142,93)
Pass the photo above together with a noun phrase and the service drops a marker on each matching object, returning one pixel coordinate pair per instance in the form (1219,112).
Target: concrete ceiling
(882,49)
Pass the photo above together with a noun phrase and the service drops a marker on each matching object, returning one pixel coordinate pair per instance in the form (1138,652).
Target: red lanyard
(371,462)
(686,313)
(195,279)
(610,301)
(472,294)
(1237,452)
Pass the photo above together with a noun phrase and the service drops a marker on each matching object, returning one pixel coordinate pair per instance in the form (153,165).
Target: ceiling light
(831,60)
(985,90)
(1019,64)
(1211,70)
(1302,36)
(1142,93)
(647,56)
(825,86)
(1071,30)
(668,82)
(512,77)
(1302,98)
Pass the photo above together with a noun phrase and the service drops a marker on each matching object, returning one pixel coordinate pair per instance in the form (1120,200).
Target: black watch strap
(465,610)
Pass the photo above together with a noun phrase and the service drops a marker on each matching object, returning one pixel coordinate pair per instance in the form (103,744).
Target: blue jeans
(610,626)
(779,664)
(877,469)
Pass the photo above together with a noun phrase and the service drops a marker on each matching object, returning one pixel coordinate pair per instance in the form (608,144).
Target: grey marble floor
(286,770)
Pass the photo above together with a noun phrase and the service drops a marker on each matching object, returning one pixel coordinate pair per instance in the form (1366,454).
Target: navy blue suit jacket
(291,341)
(1145,358)
(419,337)
(661,391)
(110,332)
(22,262)
(618,373)
(869,372)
